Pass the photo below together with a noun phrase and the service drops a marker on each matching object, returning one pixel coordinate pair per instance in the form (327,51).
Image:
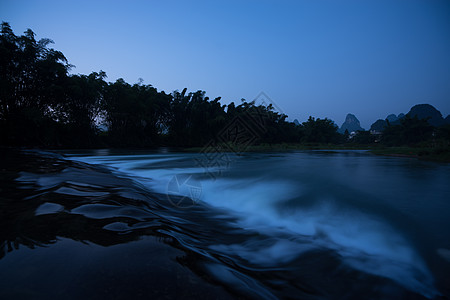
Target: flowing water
(304,225)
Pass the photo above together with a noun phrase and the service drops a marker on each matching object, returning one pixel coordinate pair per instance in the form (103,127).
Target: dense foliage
(42,105)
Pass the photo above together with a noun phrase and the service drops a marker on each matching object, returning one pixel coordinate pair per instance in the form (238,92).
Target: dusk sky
(319,58)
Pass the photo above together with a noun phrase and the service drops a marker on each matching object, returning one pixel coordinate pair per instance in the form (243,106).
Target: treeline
(42,105)
(408,131)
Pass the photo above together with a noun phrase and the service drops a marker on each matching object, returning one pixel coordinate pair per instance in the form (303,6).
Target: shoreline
(425,153)
(437,154)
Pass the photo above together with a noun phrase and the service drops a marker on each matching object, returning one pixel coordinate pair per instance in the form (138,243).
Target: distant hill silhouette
(351,124)
(427,111)
(392,118)
(421,111)
(379,125)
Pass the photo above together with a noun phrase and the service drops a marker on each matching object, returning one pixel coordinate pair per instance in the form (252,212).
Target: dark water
(302,225)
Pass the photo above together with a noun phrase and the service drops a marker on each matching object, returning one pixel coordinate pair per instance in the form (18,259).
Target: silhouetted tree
(41,105)
(410,131)
(32,78)
(81,109)
(194,119)
(136,114)
(363,137)
(320,131)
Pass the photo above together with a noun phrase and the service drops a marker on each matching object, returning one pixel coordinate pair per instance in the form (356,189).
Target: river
(164,224)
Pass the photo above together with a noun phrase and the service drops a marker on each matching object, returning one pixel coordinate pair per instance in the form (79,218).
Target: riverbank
(273,147)
(431,154)
(440,154)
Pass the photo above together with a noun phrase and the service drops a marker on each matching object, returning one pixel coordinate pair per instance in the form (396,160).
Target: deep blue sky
(319,58)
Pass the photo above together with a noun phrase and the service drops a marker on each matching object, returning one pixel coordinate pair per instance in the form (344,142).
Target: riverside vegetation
(42,105)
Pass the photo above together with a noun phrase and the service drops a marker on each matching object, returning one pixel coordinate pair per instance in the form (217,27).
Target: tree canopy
(42,105)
